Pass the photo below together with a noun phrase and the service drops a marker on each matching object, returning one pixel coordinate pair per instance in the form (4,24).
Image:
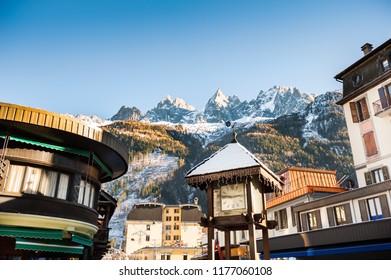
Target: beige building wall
(141,234)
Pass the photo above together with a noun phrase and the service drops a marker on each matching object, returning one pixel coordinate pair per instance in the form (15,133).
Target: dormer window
(385,64)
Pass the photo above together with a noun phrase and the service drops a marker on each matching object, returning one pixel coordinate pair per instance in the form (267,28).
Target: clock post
(235,182)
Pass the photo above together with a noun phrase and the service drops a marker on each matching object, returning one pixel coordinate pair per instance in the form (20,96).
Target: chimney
(367,48)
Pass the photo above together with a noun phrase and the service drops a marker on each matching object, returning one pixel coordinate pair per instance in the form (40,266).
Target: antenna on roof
(234,134)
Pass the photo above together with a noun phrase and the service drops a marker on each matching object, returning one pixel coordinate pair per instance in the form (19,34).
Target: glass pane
(48,183)
(372,209)
(378,208)
(87,189)
(32,178)
(81,192)
(15,178)
(63,186)
(92,196)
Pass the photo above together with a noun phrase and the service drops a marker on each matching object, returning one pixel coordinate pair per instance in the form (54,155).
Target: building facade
(156,225)
(367,106)
(355,224)
(51,170)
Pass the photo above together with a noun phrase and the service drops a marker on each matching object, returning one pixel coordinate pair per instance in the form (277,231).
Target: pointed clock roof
(231,160)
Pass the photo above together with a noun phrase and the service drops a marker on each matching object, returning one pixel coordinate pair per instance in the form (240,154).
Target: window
(370,143)
(359,110)
(168,227)
(147,238)
(374,208)
(34,180)
(86,194)
(15,178)
(281,217)
(339,215)
(176,211)
(385,64)
(148,227)
(168,237)
(31,180)
(311,220)
(168,218)
(176,227)
(176,218)
(177,237)
(376,175)
(184,257)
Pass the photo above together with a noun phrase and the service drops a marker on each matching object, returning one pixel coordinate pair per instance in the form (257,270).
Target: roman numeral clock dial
(232,197)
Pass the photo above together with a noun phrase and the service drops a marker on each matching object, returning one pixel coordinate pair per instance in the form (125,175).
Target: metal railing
(379,106)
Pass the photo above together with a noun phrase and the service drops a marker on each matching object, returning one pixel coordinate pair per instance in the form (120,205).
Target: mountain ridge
(275,102)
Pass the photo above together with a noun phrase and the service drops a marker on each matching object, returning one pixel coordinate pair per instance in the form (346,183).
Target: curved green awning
(61,149)
(31,232)
(81,239)
(48,246)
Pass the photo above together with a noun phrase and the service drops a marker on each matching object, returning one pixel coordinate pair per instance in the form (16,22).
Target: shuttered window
(370,143)
(311,220)
(376,175)
(374,208)
(359,110)
(339,215)
(281,217)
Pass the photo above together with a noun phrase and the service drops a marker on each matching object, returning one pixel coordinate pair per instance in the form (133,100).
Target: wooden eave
(300,192)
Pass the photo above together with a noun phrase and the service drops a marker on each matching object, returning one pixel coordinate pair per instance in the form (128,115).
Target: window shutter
(304,222)
(386,175)
(370,143)
(384,206)
(278,221)
(330,216)
(363,210)
(368,178)
(348,213)
(364,107)
(383,98)
(293,214)
(353,110)
(318,219)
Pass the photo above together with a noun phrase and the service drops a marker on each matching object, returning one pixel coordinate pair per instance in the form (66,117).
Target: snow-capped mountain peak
(220,99)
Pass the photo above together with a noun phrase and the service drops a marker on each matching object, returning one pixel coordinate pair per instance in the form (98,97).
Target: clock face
(232,197)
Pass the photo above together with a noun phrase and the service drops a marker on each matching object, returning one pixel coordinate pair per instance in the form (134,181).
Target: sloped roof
(231,160)
(146,212)
(191,214)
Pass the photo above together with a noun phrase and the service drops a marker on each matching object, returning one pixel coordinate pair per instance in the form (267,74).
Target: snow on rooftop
(231,157)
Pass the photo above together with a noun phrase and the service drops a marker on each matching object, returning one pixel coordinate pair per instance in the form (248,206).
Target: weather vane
(228,124)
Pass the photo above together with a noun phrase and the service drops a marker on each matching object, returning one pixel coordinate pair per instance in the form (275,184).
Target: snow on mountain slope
(151,169)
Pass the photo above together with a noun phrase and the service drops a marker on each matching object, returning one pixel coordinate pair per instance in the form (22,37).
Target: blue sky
(93,56)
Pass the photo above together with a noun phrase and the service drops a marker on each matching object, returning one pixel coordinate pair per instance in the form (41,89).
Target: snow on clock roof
(233,159)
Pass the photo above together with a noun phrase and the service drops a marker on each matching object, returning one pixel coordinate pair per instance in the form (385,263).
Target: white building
(156,225)
(367,106)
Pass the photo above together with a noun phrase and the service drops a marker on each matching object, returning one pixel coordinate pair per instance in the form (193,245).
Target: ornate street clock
(235,182)
(230,199)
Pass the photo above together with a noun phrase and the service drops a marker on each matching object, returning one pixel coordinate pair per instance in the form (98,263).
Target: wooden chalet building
(51,170)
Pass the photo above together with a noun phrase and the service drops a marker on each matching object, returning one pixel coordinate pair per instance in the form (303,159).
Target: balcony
(382,108)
